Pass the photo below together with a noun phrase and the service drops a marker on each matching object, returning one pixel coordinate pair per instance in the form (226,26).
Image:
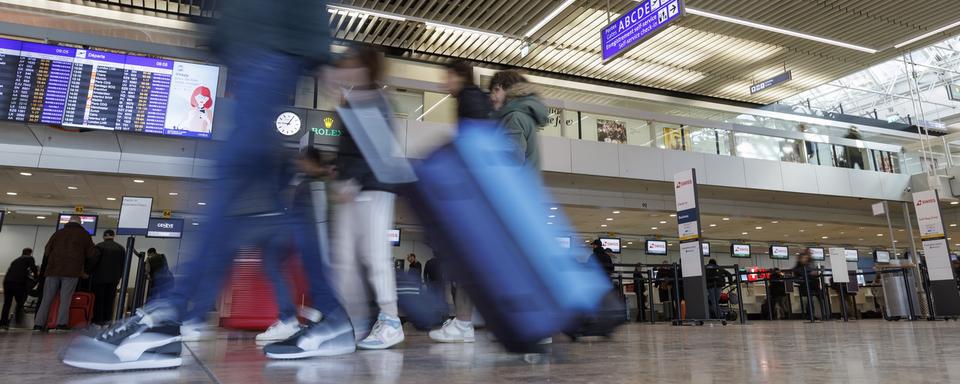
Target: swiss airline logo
(927,201)
(684,183)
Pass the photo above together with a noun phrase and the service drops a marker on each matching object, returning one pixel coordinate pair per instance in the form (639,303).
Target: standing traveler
(20,278)
(811,283)
(520,113)
(472,104)
(414,268)
(106,269)
(640,288)
(266,45)
(603,257)
(778,295)
(159,277)
(717,278)
(66,253)
(362,216)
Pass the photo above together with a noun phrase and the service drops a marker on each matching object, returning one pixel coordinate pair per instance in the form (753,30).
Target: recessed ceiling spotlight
(173,194)
(819,225)
(654,228)
(758,228)
(201,203)
(673,215)
(630,242)
(616,212)
(549,223)
(774,222)
(111,199)
(41,217)
(879,235)
(662,222)
(603,225)
(553,208)
(11,193)
(551,216)
(26,174)
(803,230)
(195,223)
(609,219)
(725,219)
(824,237)
(72,188)
(744,233)
(713,225)
(954,202)
(138,181)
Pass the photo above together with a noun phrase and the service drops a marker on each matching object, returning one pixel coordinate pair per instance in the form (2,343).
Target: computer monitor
(705,248)
(165,228)
(656,247)
(851,255)
(881,256)
(779,252)
(564,242)
(89,222)
(394,236)
(740,250)
(612,244)
(817,254)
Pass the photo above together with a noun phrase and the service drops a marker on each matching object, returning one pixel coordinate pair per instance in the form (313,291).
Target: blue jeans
(713,296)
(305,236)
(249,172)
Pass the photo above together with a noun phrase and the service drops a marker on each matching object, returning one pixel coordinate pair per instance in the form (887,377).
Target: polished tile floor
(784,352)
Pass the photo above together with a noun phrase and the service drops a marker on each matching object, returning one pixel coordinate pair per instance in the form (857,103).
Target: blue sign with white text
(644,21)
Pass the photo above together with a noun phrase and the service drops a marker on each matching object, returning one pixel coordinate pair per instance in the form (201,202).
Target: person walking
(106,270)
(266,45)
(66,254)
(20,278)
(717,278)
(520,112)
(361,256)
(472,104)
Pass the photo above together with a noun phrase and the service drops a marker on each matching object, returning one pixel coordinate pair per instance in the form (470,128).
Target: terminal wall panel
(204,169)
(555,154)
(641,163)
(834,181)
(763,174)
(169,166)
(80,160)
(676,161)
(602,198)
(14,155)
(726,171)
(866,184)
(799,178)
(894,186)
(422,138)
(91,140)
(592,158)
(158,145)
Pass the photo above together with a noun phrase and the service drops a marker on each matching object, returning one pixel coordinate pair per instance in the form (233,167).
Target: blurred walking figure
(361,256)
(472,103)
(266,45)
(520,112)
(65,257)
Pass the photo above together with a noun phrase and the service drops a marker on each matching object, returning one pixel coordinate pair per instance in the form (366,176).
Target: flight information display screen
(48,84)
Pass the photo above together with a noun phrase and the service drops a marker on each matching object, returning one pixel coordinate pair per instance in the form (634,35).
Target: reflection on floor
(784,352)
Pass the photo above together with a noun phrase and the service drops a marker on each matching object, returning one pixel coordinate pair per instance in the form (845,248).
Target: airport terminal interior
(768,188)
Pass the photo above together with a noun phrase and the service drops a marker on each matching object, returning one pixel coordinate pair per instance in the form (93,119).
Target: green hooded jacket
(521,118)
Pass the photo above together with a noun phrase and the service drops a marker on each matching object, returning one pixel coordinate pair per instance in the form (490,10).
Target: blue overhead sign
(771,82)
(641,23)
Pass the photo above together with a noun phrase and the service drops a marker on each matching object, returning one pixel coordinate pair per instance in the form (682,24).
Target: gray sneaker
(327,337)
(139,342)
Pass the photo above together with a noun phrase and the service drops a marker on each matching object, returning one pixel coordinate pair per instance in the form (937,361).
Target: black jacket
(23,270)
(813,277)
(604,259)
(472,103)
(717,277)
(106,264)
(432,272)
(350,161)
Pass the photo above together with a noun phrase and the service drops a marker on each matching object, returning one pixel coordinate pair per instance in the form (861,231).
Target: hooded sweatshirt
(521,118)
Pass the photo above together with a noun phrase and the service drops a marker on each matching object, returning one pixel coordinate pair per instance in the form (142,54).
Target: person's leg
(464,306)
(713,295)
(51,285)
(275,253)
(7,301)
(375,217)
(68,285)
(99,302)
(322,296)
(21,297)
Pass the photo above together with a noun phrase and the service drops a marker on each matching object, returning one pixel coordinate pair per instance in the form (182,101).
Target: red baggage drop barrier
(247,302)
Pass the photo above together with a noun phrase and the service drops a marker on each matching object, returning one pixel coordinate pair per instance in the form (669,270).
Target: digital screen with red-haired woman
(92,89)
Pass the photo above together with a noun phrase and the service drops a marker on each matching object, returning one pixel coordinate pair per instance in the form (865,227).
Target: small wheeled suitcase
(612,314)
(80,312)
(488,216)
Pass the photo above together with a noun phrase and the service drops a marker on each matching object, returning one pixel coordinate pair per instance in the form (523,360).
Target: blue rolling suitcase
(487,216)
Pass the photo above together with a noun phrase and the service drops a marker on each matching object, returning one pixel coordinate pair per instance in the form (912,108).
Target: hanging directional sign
(771,82)
(637,25)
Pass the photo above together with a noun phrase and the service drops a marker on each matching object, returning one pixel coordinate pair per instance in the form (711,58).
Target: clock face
(288,123)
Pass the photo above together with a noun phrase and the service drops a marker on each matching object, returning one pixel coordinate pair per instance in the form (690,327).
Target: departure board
(47,84)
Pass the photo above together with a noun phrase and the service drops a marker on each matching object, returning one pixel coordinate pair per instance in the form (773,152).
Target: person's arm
(94,260)
(513,128)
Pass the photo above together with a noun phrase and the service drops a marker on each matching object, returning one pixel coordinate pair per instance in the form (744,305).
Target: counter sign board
(637,25)
(771,82)
(928,214)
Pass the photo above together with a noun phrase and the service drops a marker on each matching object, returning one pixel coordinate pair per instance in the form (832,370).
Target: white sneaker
(196,331)
(281,330)
(386,333)
(454,331)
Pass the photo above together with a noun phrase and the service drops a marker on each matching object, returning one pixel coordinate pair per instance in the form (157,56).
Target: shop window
(708,140)
(758,147)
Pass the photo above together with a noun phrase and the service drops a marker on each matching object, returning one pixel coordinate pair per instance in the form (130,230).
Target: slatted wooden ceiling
(696,55)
